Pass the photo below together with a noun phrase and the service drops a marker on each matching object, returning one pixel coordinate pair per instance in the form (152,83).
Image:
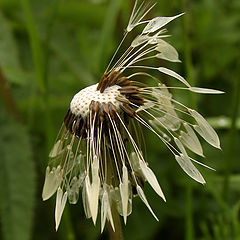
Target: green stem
(108,27)
(117,234)
(232,135)
(37,58)
(189,225)
(67,232)
(50,23)
(189,231)
(41,69)
(35,44)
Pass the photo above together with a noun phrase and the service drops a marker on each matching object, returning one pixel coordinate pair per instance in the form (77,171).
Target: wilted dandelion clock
(98,152)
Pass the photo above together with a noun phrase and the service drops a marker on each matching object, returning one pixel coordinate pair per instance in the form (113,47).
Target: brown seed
(136,99)
(128,110)
(123,81)
(114,77)
(123,100)
(129,90)
(101,113)
(105,75)
(106,113)
(78,126)
(108,79)
(83,130)
(66,116)
(112,110)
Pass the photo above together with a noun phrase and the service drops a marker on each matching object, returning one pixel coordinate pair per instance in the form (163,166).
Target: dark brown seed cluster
(110,79)
(75,124)
(102,114)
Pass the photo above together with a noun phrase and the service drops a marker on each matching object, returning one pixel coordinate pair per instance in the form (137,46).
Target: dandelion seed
(61,200)
(97,153)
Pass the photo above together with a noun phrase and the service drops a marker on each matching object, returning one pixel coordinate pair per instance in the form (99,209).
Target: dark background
(49,50)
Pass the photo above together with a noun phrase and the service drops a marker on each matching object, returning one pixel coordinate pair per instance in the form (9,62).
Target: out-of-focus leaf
(17,180)
(218,180)
(18,76)
(8,4)
(81,12)
(64,45)
(216,30)
(36,48)
(8,49)
(106,36)
(223,225)
(222,122)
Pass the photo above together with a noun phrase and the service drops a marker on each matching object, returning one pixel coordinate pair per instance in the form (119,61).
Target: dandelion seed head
(82,100)
(98,149)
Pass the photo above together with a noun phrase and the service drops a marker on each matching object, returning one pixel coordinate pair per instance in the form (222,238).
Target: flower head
(98,151)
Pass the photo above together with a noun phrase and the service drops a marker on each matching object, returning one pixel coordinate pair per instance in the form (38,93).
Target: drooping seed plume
(98,151)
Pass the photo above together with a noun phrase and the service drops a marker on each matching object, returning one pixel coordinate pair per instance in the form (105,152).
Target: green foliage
(35,44)
(107,33)
(8,47)
(9,53)
(223,225)
(17,177)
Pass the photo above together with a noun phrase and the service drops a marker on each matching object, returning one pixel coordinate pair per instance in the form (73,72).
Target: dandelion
(98,151)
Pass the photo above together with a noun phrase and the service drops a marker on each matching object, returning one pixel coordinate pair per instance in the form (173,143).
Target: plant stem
(35,44)
(40,59)
(117,235)
(37,58)
(67,231)
(189,228)
(54,7)
(107,30)
(232,134)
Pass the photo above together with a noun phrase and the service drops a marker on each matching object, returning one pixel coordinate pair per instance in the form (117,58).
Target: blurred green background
(50,49)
